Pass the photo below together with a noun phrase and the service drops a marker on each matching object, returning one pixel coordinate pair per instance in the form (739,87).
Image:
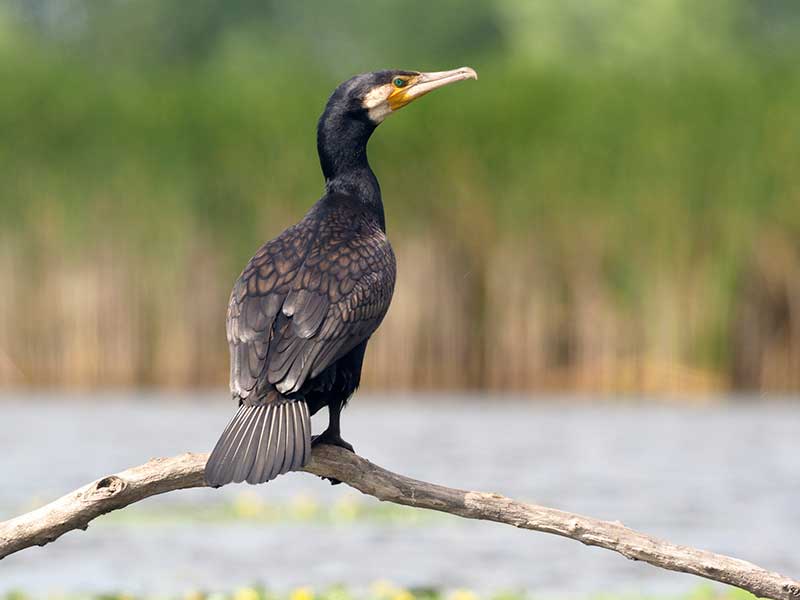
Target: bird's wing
(307,298)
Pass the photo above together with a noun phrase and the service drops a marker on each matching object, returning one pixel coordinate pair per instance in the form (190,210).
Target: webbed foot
(332,439)
(326,437)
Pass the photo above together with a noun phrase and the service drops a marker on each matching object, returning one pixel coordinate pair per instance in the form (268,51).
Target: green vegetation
(384,590)
(633,170)
(250,507)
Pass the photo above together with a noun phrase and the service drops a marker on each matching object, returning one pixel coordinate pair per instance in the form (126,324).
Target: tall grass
(561,224)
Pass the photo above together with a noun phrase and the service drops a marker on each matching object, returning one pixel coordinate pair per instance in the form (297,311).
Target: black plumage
(302,311)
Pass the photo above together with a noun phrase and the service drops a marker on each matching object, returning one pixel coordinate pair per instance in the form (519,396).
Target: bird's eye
(399,82)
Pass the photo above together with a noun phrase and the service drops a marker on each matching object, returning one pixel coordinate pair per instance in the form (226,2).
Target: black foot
(334,440)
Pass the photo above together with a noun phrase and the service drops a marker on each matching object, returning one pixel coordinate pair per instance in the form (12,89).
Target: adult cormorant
(303,309)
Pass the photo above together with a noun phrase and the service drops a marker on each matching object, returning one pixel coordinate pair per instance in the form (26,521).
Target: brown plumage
(303,309)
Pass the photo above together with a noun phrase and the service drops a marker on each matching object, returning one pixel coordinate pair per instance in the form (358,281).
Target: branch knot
(108,487)
(793,590)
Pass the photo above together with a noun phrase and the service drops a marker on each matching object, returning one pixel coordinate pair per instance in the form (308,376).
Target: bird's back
(306,299)
(308,296)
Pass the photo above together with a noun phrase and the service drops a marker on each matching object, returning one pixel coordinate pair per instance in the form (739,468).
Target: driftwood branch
(77,509)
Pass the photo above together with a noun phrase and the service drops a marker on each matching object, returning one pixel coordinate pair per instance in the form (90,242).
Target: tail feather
(226,439)
(272,448)
(287,447)
(299,436)
(247,446)
(280,445)
(236,435)
(260,443)
(258,471)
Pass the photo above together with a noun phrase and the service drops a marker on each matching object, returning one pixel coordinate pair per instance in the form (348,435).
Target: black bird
(303,309)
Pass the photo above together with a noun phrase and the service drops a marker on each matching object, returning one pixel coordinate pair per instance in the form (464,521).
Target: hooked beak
(427,82)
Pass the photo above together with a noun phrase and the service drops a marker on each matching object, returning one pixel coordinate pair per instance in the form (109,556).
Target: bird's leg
(332,435)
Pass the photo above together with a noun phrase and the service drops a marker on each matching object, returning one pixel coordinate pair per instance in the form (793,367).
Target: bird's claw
(331,440)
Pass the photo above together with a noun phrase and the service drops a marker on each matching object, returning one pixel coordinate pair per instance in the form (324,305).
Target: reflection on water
(722,478)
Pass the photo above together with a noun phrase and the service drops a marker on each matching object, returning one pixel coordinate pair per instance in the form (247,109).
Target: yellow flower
(302,593)
(383,589)
(248,505)
(402,594)
(193,595)
(246,593)
(304,508)
(347,508)
(463,595)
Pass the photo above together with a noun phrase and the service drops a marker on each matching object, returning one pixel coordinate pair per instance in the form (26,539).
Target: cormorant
(303,309)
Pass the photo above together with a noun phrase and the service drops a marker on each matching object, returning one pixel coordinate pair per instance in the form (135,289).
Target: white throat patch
(377,102)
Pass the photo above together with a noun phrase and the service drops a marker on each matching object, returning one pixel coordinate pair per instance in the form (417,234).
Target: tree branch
(161,475)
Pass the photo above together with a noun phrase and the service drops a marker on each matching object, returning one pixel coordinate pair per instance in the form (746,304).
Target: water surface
(724,478)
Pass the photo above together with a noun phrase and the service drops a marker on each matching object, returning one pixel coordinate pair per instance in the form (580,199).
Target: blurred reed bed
(614,206)
(512,317)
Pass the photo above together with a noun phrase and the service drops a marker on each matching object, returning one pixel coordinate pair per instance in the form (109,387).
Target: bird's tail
(261,442)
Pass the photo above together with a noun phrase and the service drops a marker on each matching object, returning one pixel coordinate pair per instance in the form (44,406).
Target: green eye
(399,82)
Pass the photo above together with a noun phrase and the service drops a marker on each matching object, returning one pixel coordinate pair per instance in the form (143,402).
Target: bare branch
(161,475)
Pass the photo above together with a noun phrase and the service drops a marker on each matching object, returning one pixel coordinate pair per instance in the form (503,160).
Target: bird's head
(377,95)
(358,106)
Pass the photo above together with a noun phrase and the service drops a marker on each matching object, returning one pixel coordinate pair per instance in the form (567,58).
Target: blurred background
(611,212)
(614,207)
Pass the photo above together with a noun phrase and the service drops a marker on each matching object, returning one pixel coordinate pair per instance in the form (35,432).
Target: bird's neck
(342,146)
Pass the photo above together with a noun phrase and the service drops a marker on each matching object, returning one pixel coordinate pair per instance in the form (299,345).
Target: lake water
(725,478)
